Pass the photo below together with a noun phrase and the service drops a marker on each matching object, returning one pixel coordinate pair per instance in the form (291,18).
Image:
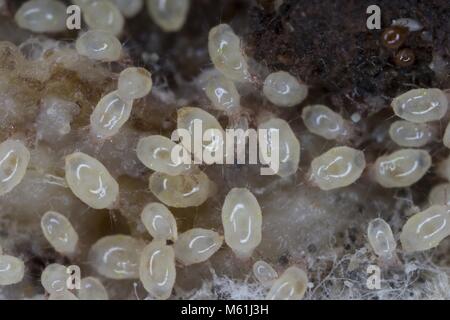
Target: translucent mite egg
(182,191)
(116,257)
(242,220)
(63,295)
(92,289)
(159,222)
(402,168)
(59,232)
(338,167)
(381,238)
(157,269)
(99,45)
(103,15)
(14,159)
(197,245)
(134,83)
(421,105)
(54,278)
(284,90)
(12,270)
(291,285)
(129,8)
(169,15)
(323,121)
(440,195)
(42,16)
(409,134)
(264,272)
(90,181)
(223,94)
(110,115)
(426,229)
(225,51)
(446,138)
(288,148)
(155,152)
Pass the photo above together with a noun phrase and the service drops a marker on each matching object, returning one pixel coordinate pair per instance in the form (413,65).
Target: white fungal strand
(323,121)
(63,295)
(129,8)
(337,168)
(290,286)
(283,90)
(54,278)
(159,222)
(421,105)
(12,270)
(14,159)
(223,94)
(286,146)
(157,269)
(440,195)
(116,257)
(225,51)
(409,134)
(110,115)
(47,16)
(264,272)
(59,232)
(381,238)
(90,181)
(134,83)
(103,15)
(169,15)
(402,168)
(242,221)
(92,289)
(426,229)
(182,191)
(197,245)
(99,45)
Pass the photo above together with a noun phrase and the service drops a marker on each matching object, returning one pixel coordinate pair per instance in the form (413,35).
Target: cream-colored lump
(410,134)
(421,105)
(169,15)
(440,195)
(47,16)
(242,221)
(159,222)
(446,138)
(12,270)
(283,90)
(323,121)
(92,289)
(402,168)
(338,167)
(90,181)
(291,285)
(226,53)
(63,295)
(381,238)
(129,8)
(426,229)
(14,159)
(264,272)
(157,269)
(103,15)
(197,245)
(223,94)
(134,83)
(54,278)
(59,232)
(99,45)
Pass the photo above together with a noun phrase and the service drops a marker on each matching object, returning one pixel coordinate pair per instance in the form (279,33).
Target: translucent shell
(223,94)
(264,272)
(197,245)
(116,257)
(446,138)
(159,222)
(157,269)
(242,220)
(440,195)
(170,15)
(290,286)
(129,8)
(63,295)
(110,115)
(103,15)
(426,229)
(381,238)
(92,289)
(99,45)
(225,51)
(402,168)
(284,90)
(288,145)
(14,159)
(134,83)
(90,181)
(42,16)
(54,278)
(155,153)
(12,270)
(186,190)
(59,232)
(323,121)
(421,105)
(409,134)
(338,167)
